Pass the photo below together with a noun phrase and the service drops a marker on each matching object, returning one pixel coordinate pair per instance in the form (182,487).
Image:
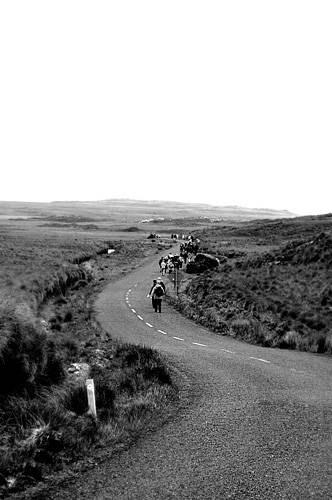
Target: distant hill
(136,210)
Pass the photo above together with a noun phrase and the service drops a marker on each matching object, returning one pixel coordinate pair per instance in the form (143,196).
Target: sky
(220,102)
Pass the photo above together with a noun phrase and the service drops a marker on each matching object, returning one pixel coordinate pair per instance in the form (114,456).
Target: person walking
(163,267)
(160,282)
(157,295)
(150,294)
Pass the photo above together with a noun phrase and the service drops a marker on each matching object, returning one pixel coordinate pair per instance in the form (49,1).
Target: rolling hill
(136,210)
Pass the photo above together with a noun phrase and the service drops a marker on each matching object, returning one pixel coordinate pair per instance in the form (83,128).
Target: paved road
(257,424)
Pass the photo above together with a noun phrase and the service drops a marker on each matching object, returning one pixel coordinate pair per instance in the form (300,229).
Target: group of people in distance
(189,247)
(157,291)
(167,264)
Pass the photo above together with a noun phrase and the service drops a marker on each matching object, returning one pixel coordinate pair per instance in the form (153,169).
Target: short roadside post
(90,387)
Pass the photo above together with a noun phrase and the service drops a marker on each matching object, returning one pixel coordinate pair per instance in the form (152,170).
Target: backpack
(158,291)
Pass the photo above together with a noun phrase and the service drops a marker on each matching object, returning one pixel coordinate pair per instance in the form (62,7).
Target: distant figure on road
(160,282)
(157,294)
(151,295)
(163,267)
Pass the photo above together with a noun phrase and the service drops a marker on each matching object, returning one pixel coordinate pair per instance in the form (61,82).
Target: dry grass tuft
(54,424)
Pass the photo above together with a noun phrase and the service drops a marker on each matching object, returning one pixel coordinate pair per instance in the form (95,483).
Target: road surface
(257,424)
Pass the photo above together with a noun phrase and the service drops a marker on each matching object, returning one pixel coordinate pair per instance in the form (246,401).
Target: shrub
(249,330)
(76,399)
(290,340)
(157,373)
(197,267)
(27,358)
(321,344)
(69,346)
(328,344)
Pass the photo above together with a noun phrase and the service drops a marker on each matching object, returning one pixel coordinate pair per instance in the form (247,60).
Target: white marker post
(90,387)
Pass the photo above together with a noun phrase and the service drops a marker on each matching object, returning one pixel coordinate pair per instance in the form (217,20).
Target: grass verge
(46,324)
(45,423)
(276,298)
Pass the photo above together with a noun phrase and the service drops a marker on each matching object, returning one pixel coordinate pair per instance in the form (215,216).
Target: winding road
(256,423)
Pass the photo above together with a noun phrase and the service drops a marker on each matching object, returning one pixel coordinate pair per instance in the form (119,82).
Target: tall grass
(282,298)
(28,359)
(53,425)
(44,420)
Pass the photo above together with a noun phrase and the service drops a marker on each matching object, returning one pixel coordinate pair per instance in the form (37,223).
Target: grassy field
(274,284)
(273,288)
(49,276)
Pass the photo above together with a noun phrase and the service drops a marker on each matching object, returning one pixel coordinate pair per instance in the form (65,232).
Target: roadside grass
(44,418)
(265,232)
(34,267)
(280,296)
(47,285)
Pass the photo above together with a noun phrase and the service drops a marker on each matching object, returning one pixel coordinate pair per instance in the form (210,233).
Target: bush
(69,346)
(77,400)
(291,340)
(249,330)
(27,358)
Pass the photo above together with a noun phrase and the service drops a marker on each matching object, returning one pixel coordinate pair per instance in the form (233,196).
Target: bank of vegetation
(273,286)
(47,330)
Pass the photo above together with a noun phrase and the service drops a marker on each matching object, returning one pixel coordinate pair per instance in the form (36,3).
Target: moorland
(54,260)
(273,286)
(50,342)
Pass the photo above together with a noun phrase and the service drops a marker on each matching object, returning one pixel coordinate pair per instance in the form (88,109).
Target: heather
(271,295)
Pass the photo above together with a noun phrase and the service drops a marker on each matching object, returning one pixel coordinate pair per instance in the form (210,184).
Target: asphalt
(254,423)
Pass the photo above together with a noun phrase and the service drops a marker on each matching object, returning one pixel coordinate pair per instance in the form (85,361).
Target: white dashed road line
(195,343)
(260,359)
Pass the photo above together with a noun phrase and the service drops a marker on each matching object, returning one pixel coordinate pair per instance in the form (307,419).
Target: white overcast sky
(223,102)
